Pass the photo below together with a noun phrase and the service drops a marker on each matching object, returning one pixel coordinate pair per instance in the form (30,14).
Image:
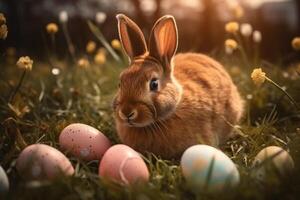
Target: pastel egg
(123,165)
(84,141)
(270,160)
(205,167)
(40,161)
(4,183)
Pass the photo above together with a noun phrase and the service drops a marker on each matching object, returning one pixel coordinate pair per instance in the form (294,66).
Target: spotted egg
(4,183)
(123,165)
(84,141)
(272,160)
(40,161)
(207,168)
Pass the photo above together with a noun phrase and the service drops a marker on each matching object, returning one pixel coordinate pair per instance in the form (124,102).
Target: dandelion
(116,44)
(55,71)
(100,17)
(90,47)
(3,31)
(249,96)
(230,46)
(63,16)
(238,11)
(83,63)
(246,29)
(3,27)
(25,63)
(52,28)
(232,27)
(100,58)
(257,36)
(296,43)
(2,19)
(259,77)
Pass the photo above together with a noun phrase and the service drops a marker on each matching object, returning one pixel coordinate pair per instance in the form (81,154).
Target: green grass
(84,95)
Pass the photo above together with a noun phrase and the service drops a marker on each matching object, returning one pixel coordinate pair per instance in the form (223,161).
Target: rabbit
(166,102)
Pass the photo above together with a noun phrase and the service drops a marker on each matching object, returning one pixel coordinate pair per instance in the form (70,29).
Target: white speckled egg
(123,165)
(84,141)
(206,167)
(4,183)
(40,161)
(270,160)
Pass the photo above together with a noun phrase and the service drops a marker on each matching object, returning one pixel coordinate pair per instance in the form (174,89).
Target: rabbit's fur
(195,100)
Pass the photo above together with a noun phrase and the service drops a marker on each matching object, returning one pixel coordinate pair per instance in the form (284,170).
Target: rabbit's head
(148,90)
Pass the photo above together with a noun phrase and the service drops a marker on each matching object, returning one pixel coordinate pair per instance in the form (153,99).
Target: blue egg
(207,168)
(4,184)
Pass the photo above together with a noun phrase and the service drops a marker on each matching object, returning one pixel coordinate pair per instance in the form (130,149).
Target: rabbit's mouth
(138,125)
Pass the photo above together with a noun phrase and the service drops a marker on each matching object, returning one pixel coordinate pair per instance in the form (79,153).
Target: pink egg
(84,141)
(40,161)
(122,164)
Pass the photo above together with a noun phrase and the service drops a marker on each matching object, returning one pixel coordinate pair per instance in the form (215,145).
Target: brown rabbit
(166,103)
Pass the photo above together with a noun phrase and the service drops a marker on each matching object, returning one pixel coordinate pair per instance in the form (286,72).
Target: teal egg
(207,168)
(4,184)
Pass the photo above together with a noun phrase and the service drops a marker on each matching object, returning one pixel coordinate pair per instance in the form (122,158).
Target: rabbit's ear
(131,36)
(163,39)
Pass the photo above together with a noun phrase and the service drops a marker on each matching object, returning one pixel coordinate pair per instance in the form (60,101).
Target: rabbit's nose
(129,115)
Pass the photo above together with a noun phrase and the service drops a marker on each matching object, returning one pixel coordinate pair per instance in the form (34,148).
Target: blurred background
(200,22)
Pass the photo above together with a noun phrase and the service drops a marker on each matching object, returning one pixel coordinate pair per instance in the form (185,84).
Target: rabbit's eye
(154,84)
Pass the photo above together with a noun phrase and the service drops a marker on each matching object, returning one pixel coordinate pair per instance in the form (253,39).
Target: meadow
(38,99)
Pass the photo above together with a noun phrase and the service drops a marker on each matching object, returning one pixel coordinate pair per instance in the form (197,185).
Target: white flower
(246,29)
(63,16)
(249,96)
(257,36)
(100,17)
(55,71)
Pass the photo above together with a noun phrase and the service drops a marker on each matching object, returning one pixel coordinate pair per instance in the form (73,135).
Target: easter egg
(123,165)
(272,160)
(4,183)
(205,167)
(84,141)
(40,161)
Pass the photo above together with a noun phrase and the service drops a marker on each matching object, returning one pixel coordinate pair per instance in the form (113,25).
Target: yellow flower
(258,76)
(116,44)
(90,47)
(230,43)
(2,19)
(83,63)
(25,63)
(296,43)
(232,27)
(238,11)
(3,31)
(100,58)
(52,28)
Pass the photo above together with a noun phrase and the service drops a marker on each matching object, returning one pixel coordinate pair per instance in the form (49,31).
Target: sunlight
(258,3)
